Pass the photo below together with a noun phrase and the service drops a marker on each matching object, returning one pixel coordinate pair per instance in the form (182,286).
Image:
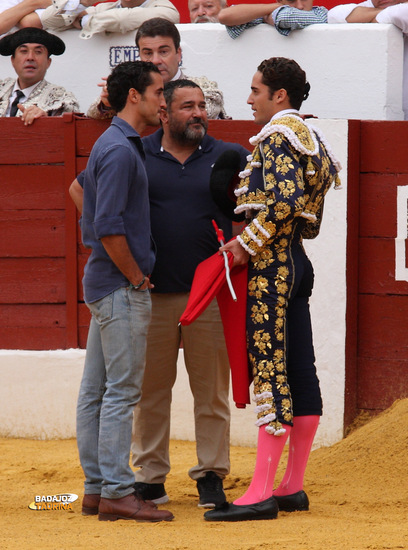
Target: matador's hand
(241,256)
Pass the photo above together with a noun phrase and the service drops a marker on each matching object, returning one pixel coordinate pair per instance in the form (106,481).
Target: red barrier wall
(382,300)
(41,255)
(42,258)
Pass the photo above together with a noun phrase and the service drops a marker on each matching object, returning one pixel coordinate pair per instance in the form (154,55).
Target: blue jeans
(110,388)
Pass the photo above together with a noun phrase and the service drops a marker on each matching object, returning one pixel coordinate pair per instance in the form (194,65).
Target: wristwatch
(139,285)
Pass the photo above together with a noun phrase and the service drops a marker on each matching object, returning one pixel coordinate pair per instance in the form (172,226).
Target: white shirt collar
(26,91)
(178,75)
(286,112)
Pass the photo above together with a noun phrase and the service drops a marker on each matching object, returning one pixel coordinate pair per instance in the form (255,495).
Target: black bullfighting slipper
(267,509)
(297,502)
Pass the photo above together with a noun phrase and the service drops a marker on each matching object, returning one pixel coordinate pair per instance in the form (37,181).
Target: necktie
(14,108)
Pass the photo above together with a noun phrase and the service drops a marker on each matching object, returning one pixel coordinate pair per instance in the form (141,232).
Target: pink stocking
(301,439)
(268,454)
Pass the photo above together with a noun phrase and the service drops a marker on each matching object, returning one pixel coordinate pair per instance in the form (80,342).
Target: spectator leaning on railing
(30,96)
(120,16)
(285,16)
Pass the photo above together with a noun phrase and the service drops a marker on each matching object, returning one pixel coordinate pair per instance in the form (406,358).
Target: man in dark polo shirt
(115,225)
(179,160)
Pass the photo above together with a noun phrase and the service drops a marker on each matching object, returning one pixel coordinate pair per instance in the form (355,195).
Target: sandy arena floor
(358,491)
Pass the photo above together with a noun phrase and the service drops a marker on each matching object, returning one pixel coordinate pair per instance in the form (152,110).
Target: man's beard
(188,135)
(205,19)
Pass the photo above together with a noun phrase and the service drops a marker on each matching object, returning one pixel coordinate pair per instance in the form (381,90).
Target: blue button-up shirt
(116,202)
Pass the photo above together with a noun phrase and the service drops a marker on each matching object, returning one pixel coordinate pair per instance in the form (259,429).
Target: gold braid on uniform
(301,136)
(272,200)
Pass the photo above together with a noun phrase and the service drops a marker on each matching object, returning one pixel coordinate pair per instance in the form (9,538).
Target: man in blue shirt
(115,225)
(179,160)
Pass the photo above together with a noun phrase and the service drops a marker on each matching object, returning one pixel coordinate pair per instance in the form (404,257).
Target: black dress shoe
(267,509)
(293,503)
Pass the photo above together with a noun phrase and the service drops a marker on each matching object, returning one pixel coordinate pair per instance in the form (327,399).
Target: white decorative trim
(249,206)
(273,128)
(244,173)
(249,158)
(273,431)
(245,247)
(308,216)
(326,144)
(256,163)
(240,191)
(261,229)
(252,236)
(263,395)
(265,419)
(262,408)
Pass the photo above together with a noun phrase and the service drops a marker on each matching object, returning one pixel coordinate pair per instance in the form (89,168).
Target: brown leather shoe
(90,505)
(130,507)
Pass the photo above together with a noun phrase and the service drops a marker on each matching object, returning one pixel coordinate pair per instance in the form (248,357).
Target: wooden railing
(41,255)
(42,258)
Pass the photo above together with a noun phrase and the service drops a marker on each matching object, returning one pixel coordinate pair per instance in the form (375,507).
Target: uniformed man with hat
(30,96)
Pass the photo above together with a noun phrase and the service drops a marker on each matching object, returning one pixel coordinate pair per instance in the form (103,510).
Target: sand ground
(358,491)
